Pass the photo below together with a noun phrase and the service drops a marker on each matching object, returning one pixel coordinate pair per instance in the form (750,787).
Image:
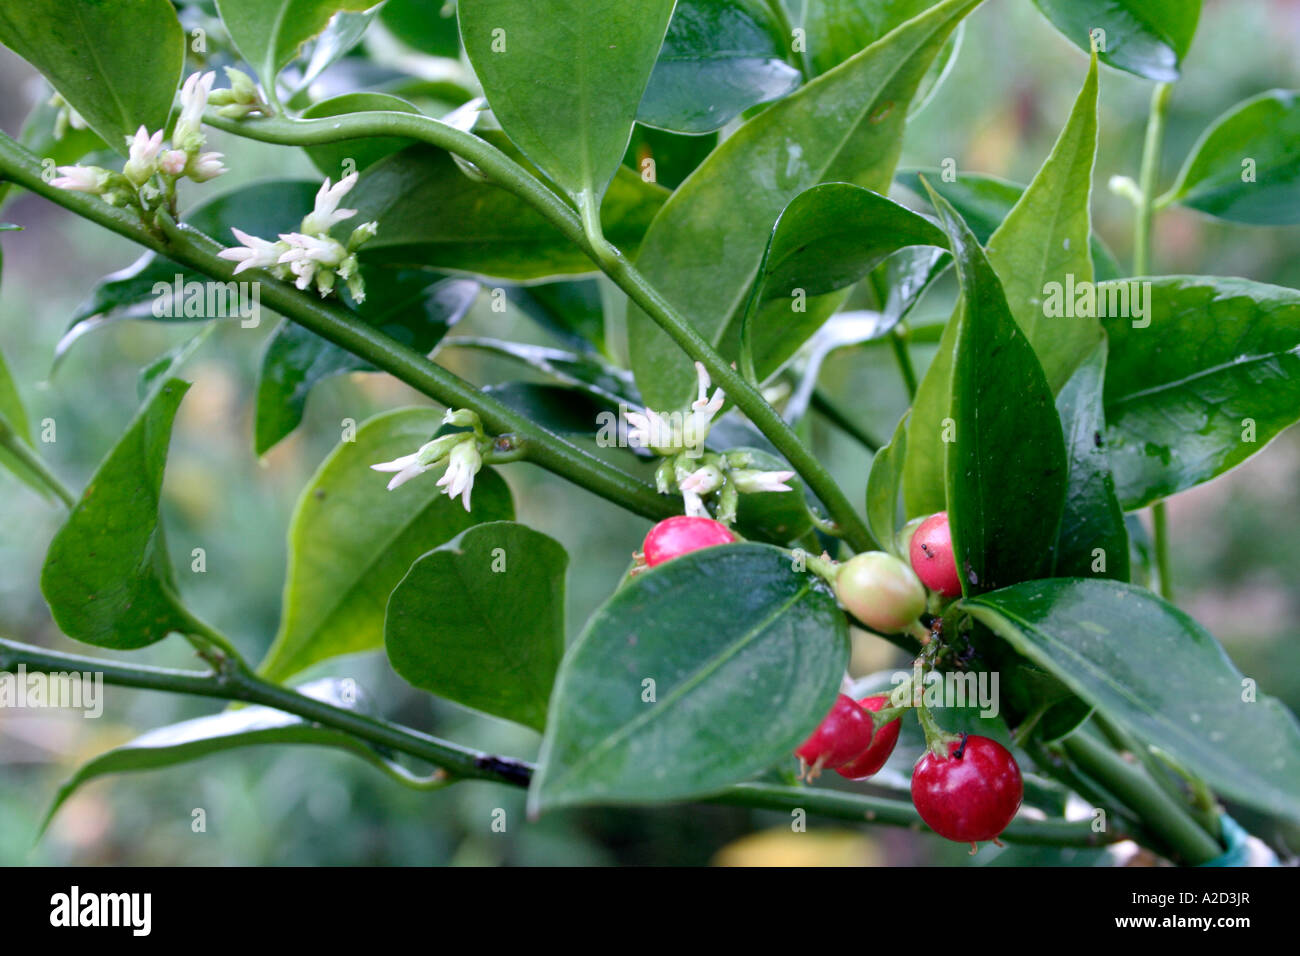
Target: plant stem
(233,682)
(844,424)
(506,173)
(12,443)
(336,324)
(899,342)
(1168,821)
(1144,228)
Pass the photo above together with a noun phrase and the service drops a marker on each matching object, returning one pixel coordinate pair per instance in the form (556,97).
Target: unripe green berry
(880,591)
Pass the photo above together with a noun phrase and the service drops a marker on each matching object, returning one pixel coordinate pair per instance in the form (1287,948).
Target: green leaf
(883,484)
(480,620)
(1246,166)
(11,404)
(720,57)
(564,78)
(229,730)
(929,430)
(1043,241)
(573,311)
(107,576)
(1146,37)
(582,371)
(424,25)
(704,248)
(745,656)
(563,409)
(414,307)
(1092,518)
(985,201)
(431,214)
(337,160)
(14,427)
(1006,465)
(837,29)
(351,541)
(1209,379)
(674,155)
(826,239)
(1152,669)
(270,33)
(91,52)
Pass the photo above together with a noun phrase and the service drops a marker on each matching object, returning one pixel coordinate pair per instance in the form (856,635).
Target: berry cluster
(966,787)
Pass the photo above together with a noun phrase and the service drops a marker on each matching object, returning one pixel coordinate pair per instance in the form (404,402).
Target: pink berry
(932,557)
(674,537)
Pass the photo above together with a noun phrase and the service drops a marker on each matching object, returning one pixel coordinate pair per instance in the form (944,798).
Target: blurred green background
(1237,556)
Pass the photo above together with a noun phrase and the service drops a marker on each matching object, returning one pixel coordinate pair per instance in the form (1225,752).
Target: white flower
(694,505)
(206,166)
(188,134)
(82,179)
(649,430)
(327,212)
(254,253)
(702,480)
(463,464)
(142,158)
(427,456)
(306,254)
(173,161)
(702,410)
(751,482)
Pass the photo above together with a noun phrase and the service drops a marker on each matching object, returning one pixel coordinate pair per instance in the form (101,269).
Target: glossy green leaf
(230,730)
(351,540)
(837,29)
(582,371)
(92,52)
(1043,243)
(424,25)
(337,160)
(1146,37)
(985,201)
(480,620)
(1153,670)
(720,57)
(1246,167)
(704,248)
(270,33)
(563,409)
(564,78)
(674,155)
(929,429)
(697,674)
(414,307)
(107,576)
(571,310)
(1208,379)
(1093,541)
(826,239)
(883,484)
(13,420)
(431,214)
(11,404)
(1006,465)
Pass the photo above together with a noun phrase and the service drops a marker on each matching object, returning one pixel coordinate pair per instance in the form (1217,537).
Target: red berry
(973,794)
(882,744)
(932,558)
(843,734)
(674,537)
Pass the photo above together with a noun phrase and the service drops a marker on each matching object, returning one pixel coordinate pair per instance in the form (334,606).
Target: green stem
(899,342)
(1144,228)
(851,428)
(235,683)
(336,324)
(26,455)
(1170,823)
(509,175)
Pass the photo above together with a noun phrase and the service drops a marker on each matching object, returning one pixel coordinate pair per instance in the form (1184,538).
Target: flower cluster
(689,470)
(461,452)
(310,255)
(153,168)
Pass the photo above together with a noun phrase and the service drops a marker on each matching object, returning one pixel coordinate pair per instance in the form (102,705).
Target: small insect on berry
(972,794)
(882,743)
(932,556)
(674,537)
(842,735)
